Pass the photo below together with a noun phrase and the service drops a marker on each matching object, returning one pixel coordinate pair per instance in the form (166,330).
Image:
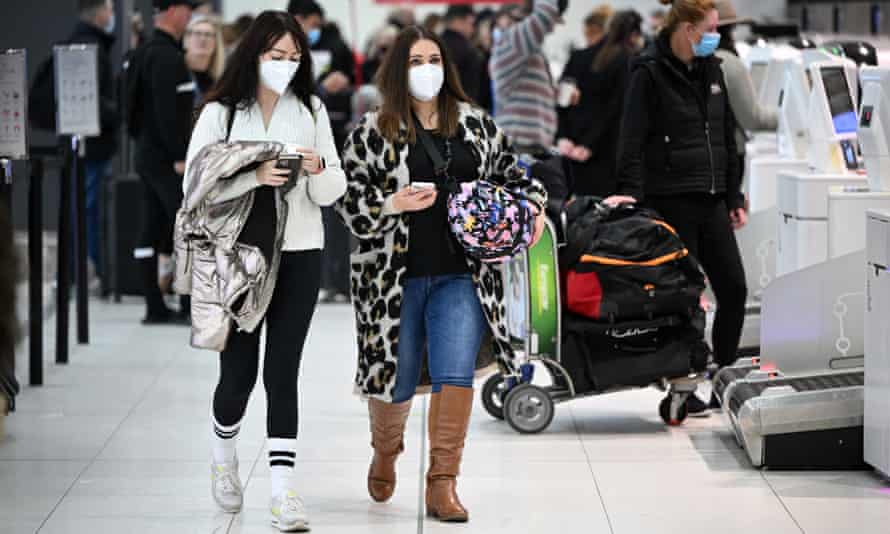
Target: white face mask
(277,74)
(425,81)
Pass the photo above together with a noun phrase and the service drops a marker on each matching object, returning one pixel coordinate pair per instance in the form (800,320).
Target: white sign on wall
(13,104)
(77,90)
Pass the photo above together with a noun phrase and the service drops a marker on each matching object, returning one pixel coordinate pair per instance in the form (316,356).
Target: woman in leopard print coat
(406,276)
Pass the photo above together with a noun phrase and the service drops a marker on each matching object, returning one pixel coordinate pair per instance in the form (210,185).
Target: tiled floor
(117,442)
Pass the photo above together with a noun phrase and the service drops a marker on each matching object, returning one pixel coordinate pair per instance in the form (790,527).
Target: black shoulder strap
(440,166)
(230,121)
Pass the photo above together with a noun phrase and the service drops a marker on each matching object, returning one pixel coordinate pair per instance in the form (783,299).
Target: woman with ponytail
(677,155)
(601,72)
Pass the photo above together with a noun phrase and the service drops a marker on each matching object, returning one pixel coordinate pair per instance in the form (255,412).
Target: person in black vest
(678,155)
(167,96)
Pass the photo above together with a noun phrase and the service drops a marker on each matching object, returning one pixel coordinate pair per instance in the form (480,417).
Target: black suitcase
(124,228)
(601,356)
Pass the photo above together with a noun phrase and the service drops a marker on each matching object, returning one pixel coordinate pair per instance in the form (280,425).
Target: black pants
(287,324)
(162,198)
(703,224)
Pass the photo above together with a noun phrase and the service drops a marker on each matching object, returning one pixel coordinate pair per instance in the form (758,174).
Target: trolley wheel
(664,410)
(493,393)
(528,409)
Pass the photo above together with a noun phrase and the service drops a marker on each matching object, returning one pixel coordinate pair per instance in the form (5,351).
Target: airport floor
(117,442)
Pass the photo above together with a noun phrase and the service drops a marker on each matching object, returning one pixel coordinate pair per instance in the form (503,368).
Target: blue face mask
(707,45)
(314,35)
(109,28)
(496,34)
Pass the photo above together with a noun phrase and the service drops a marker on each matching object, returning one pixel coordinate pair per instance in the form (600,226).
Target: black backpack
(626,263)
(42,97)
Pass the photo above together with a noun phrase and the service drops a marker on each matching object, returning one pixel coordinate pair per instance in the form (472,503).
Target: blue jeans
(443,315)
(96,175)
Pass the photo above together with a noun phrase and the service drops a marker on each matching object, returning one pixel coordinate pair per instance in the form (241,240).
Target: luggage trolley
(535,318)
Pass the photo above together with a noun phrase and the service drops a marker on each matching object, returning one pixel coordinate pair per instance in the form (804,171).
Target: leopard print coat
(376,169)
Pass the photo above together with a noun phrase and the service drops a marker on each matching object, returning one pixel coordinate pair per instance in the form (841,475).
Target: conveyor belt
(728,375)
(800,422)
(745,364)
(748,390)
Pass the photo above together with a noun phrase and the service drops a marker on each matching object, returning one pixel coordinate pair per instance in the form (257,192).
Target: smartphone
(422,186)
(292,162)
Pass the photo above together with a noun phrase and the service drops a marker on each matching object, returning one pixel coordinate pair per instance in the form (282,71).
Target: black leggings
(703,224)
(287,324)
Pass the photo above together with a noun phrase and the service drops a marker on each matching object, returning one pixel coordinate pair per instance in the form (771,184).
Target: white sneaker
(226,486)
(289,513)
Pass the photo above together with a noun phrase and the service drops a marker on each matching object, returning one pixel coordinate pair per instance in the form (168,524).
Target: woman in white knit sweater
(266,94)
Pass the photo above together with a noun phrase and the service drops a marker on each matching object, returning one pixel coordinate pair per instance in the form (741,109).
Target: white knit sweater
(291,122)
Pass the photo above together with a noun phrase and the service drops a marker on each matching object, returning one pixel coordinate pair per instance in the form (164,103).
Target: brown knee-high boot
(449,418)
(387,437)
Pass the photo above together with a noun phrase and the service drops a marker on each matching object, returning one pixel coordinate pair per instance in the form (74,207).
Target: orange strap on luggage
(665,225)
(624,263)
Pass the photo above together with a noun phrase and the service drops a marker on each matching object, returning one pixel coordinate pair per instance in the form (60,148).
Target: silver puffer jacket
(229,281)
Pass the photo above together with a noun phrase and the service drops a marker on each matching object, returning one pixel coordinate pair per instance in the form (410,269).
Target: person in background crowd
(232,32)
(334,62)
(335,69)
(417,295)
(678,155)
(504,18)
(379,47)
(525,98)
(743,100)
(268,86)
(204,53)
(600,72)
(460,25)
(435,23)
(656,21)
(483,40)
(595,24)
(204,9)
(137,30)
(168,99)
(402,18)
(96,26)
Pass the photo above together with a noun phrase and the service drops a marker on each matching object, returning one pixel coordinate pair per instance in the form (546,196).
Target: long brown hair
(392,81)
(692,11)
(621,27)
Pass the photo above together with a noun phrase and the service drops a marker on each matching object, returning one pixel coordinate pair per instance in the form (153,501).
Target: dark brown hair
(621,27)
(392,81)
(692,11)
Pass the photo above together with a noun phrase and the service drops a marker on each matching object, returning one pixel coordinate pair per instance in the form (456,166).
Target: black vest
(686,151)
